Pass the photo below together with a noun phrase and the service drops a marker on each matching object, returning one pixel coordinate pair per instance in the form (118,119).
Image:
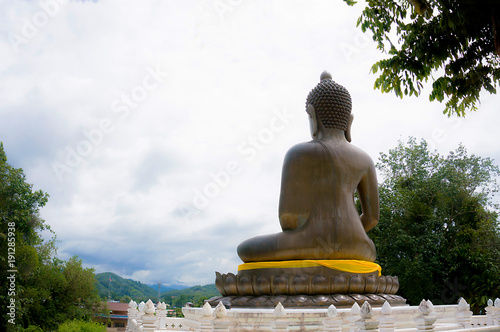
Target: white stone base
(312,319)
(425,317)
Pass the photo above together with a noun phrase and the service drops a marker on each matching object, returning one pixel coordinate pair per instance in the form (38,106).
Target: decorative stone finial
(424,308)
(142,305)
(366,311)
(162,306)
(325,75)
(220,310)
(490,303)
(150,308)
(386,309)
(463,305)
(279,311)
(332,311)
(207,309)
(355,309)
(497,302)
(430,305)
(132,304)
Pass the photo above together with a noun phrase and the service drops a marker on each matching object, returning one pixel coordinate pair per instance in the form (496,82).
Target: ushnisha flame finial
(325,75)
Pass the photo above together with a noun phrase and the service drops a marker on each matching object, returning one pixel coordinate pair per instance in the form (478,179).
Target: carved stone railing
(146,318)
(426,317)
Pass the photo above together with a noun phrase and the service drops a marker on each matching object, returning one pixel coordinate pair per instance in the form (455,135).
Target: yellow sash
(345,265)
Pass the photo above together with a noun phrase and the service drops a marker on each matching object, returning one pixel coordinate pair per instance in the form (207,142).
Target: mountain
(166,288)
(195,294)
(123,289)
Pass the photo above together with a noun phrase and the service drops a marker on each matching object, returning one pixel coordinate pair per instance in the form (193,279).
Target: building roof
(117,306)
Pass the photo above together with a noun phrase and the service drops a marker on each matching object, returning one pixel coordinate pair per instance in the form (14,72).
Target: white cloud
(125,206)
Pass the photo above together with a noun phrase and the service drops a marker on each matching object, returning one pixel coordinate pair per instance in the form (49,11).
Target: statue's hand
(289,221)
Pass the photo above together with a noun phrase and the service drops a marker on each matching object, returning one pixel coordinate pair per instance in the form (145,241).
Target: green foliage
(454,39)
(439,230)
(81,326)
(123,289)
(31,328)
(60,291)
(47,290)
(20,220)
(20,224)
(126,290)
(196,295)
(178,312)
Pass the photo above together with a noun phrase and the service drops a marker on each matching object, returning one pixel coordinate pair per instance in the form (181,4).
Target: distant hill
(166,288)
(195,294)
(123,289)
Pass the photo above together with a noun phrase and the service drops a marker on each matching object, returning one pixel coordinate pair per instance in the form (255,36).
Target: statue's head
(331,103)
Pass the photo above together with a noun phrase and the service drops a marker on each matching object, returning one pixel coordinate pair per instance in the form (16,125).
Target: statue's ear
(348,130)
(313,122)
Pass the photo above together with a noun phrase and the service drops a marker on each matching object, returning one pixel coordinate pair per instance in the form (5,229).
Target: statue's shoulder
(311,147)
(362,156)
(305,150)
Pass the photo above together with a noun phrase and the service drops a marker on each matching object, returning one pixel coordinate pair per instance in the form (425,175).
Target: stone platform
(425,317)
(244,284)
(304,288)
(307,301)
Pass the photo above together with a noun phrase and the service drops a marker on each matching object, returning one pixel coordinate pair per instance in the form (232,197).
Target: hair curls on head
(332,103)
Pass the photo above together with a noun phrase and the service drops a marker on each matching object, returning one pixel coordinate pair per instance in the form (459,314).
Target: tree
(21,246)
(37,289)
(196,295)
(79,325)
(457,40)
(439,230)
(60,291)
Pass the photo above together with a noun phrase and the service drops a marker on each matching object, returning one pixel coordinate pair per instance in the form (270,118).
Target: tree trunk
(495,17)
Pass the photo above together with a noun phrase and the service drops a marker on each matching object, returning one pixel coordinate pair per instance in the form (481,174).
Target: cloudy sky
(159,127)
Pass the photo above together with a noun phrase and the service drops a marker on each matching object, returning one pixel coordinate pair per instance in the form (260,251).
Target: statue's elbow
(369,222)
(373,223)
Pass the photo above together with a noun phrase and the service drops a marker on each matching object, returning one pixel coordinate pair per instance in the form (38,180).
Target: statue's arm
(296,187)
(368,196)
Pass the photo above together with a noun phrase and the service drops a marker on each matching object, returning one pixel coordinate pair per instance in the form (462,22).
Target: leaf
(452,40)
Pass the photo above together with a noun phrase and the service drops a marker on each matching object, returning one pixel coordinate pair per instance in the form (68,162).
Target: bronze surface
(319,220)
(317,212)
(266,283)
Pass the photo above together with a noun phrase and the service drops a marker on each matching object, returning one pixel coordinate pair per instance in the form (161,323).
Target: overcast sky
(159,127)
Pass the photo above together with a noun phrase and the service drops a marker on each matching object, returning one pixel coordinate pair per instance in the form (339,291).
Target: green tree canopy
(21,246)
(438,229)
(456,43)
(46,291)
(196,295)
(81,326)
(60,291)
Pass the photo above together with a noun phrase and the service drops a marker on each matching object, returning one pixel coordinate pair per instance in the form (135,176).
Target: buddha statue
(323,254)
(317,212)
